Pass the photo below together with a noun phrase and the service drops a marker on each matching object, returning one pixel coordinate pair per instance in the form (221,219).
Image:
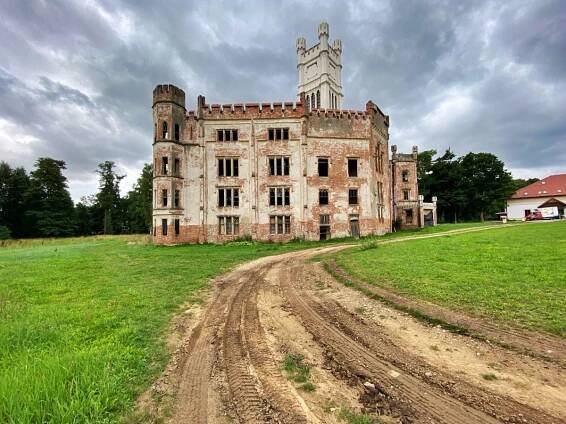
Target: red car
(534,216)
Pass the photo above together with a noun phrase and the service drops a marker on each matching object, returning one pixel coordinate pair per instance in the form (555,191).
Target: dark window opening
(406,194)
(313,100)
(176,166)
(279,196)
(227,167)
(353,196)
(177,132)
(165,130)
(165,165)
(409,216)
(352,167)
(164,227)
(177,227)
(278,134)
(308,102)
(280,224)
(227,135)
(228,197)
(176,201)
(323,197)
(323,167)
(405,176)
(278,165)
(164,198)
(324,227)
(527,212)
(318,99)
(228,225)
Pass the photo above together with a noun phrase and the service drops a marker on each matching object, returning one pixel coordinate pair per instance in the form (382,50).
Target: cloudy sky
(76,77)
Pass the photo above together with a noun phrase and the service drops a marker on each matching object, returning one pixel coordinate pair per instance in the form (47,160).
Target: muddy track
(229,368)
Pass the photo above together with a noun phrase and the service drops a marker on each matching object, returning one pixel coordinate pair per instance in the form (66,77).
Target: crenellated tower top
(320,71)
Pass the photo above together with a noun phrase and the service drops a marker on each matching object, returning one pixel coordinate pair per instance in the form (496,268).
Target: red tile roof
(555,185)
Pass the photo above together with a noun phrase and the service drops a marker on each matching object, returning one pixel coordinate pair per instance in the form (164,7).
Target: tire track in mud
(364,352)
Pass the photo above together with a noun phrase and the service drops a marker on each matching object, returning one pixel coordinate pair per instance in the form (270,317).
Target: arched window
(308,102)
(177,132)
(164,130)
(318,99)
(155,133)
(312,101)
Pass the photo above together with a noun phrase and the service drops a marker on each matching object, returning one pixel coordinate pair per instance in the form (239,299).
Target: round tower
(168,162)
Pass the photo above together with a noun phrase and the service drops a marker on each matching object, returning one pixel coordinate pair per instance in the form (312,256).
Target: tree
(50,210)
(139,203)
(424,171)
(108,197)
(486,183)
(13,186)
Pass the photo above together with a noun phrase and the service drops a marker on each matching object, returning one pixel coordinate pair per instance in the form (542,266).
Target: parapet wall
(168,93)
(252,110)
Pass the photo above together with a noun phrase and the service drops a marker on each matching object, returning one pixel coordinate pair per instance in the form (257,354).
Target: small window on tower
(405,176)
(164,227)
(164,198)
(323,167)
(353,196)
(177,227)
(177,132)
(176,166)
(406,194)
(323,197)
(164,165)
(352,167)
(165,134)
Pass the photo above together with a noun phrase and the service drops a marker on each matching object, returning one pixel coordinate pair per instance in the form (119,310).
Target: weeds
(298,371)
(353,418)
(489,377)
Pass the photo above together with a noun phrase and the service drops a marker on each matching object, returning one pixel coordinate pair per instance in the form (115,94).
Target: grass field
(515,274)
(83,320)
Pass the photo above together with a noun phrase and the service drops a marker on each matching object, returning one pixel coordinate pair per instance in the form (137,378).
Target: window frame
(278,134)
(226,222)
(222,168)
(353,196)
(279,166)
(280,225)
(164,225)
(177,198)
(230,197)
(279,196)
(355,173)
(177,222)
(405,176)
(226,135)
(324,159)
(164,197)
(320,197)
(407,194)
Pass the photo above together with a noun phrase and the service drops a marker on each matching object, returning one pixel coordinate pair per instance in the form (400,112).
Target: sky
(76,77)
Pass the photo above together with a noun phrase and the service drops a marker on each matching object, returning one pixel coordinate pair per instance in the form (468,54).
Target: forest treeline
(39,204)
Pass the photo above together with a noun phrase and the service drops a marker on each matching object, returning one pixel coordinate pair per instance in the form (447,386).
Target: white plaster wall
(516,207)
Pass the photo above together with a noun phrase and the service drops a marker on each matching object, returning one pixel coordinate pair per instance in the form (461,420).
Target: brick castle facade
(277,171)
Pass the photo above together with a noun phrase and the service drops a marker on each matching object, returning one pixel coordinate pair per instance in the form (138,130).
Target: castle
(277,171)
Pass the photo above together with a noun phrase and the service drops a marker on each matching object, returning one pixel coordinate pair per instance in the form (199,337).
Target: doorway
(354,226)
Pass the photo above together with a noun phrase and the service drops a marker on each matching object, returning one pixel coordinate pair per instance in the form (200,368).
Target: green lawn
(516,274)
(82,320)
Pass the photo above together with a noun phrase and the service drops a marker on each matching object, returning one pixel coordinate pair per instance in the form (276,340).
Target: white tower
(320,71)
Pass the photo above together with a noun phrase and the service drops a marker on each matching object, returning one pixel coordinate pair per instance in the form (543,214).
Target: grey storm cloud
(76,77)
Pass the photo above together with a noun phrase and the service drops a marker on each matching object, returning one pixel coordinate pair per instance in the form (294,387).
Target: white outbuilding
(549,192)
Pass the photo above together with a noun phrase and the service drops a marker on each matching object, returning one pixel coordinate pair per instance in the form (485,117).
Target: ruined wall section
(405,187)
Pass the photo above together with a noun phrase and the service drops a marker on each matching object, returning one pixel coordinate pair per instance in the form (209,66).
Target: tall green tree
(13,186)
(486,184)
(424,171)
(139,202)
(50,210)
(108,197)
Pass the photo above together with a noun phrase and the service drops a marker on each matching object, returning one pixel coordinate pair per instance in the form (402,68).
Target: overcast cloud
(76,77)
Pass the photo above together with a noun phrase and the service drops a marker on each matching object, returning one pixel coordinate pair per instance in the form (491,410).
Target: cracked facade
(278,171)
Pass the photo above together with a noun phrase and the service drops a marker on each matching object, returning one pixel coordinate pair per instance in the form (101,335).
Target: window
(406,194)
(165,134)
(527,212)
(227,135)
(313,100)
(176,166)
(409,216)
(323,167)
(154,229)
(177,132)
(176,201)
(164,227)
(278,134)
(318,99)
(228,197)
(324,227)
(352,167)
(379,160)
(380,201)
(164,198)
(280,224)
(164,165)
(353,196)
(405,176)
(228,225)
(323,197)
(177,228)
(308,102)
(279,196)
(279,165)
(227,167)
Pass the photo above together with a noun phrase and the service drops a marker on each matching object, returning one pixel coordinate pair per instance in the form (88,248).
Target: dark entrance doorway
(354,226)
(428,219)
(324,228)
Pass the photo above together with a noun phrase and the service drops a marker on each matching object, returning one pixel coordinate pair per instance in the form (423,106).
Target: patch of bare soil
(525,341)
(364,357)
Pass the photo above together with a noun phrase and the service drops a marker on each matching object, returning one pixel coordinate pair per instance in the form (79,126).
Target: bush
(4,232)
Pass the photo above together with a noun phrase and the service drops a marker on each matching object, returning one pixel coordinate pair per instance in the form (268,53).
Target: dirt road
(364,357)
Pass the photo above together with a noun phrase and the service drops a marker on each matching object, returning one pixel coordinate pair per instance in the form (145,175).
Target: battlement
(253,110)
(340,113)
(168,93)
